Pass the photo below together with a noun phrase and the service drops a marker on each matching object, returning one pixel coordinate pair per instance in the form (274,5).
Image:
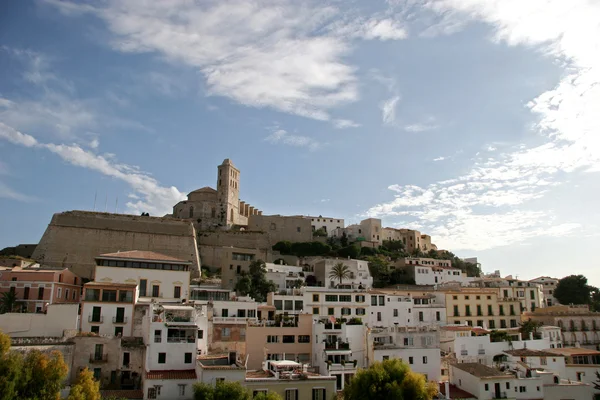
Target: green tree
(344,239)
(500,336)
(86,387)
(255,283)
(379,268)
(352,251)
(8,302)
(340,272)
(573,289)
(221,391)
(390,379)
(530,327)
(320,232)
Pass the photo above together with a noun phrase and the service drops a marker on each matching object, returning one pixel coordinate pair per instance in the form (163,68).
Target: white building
(170,334)
(286,277)
(337,303)
(418,347)
(158,276)
(329,224)
(339,349)
(484,382)
(548,286)
(434,275)
(529,294)
(107,308)
(220,368)
(359,275)
(429,309)
(389,310)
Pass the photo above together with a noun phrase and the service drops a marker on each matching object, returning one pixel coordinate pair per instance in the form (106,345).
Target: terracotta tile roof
(122,394)
(457,328)
(482,371)
(141,255)
(530,353)
(172,374)
(574,351)
(455,392)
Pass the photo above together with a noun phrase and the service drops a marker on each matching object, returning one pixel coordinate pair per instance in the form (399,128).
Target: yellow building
(482,307)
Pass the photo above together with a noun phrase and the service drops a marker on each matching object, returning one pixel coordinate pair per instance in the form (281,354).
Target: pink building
(37,286)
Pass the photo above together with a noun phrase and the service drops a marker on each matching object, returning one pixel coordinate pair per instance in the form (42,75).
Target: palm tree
(340,271)
(8,301)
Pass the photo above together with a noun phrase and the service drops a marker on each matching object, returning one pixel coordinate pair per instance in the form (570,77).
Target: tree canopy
(530,327)
(33,376)
(390,379)
(254,283)
(221,391)
(573,289)
(86,387)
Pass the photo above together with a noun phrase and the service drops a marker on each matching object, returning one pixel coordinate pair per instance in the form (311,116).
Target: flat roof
(482,371)
(574,351)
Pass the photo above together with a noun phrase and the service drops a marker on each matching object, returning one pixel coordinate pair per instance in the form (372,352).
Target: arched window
(191,211)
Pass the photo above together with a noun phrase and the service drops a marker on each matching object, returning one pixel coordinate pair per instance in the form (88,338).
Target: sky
(474,121)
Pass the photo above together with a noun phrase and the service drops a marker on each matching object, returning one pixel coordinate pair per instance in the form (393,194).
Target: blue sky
(475,121)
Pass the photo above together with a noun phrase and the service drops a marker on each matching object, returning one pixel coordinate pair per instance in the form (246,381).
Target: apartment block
(481,307)
(359,275)
(107,308)
(579,325)
(548,286)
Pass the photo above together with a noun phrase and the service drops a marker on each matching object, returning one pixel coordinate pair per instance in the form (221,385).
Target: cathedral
(217,209)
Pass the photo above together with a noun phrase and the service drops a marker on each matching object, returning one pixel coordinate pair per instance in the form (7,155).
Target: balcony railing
(96,318)
(342,367)
(337,346)
(98,358)
(333,326)
(231,320)
(119,320)
(481,351)
(181,340)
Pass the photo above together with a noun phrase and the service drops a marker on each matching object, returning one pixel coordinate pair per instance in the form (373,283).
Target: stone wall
(67,350)
(74,238)
(280,228)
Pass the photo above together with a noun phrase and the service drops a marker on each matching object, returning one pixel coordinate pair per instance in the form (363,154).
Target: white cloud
(370,29)
(261,54)
(154,198)
(94,143)
(345,123)
(282,136)
(388,110)
(419,127)
(441,158)
(485,207)
(11,194)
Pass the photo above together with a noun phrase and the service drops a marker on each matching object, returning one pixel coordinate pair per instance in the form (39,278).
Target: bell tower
(228,192)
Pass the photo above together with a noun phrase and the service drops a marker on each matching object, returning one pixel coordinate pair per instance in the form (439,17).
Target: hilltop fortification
(74,238)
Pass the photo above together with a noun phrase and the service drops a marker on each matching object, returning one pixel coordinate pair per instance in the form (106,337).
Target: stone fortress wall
(74,238)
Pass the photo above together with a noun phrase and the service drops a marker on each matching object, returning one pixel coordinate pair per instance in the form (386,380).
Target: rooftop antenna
(95,197)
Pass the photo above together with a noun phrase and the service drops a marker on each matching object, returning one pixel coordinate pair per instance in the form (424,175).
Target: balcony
(98,319)
(177,339)
(119,320)
(333,326)
(96,358)
(337,346)
(348,365)
(231,320)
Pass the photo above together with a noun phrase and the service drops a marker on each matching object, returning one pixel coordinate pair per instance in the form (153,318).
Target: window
(97,373)
(177,294)
(508,385)
(59,293)
(226,332)
(316,310)
(522,389)
(109,295)
(200,334)
(157,336)
(272,339)
(344,297)
(330,311)
(288,339)
(490,311)
(421,316)
(382,300)
(155,290)
(373,300)
(187,358)
(410,360)
(346,311)
(118,331)
(492,324)
(359,298)
(181,390)
(319,394)
(126,359)
(143,285)
(395,312)
(360,311)
(456,312)
(66,294)
(438,316)
(543,361)
(315,297)
(162,358)
(95,329)
(378,316)
(41,293)
(291,394)
(26,293)
(424,359)
(303,338)
(331,297)
(487,387)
